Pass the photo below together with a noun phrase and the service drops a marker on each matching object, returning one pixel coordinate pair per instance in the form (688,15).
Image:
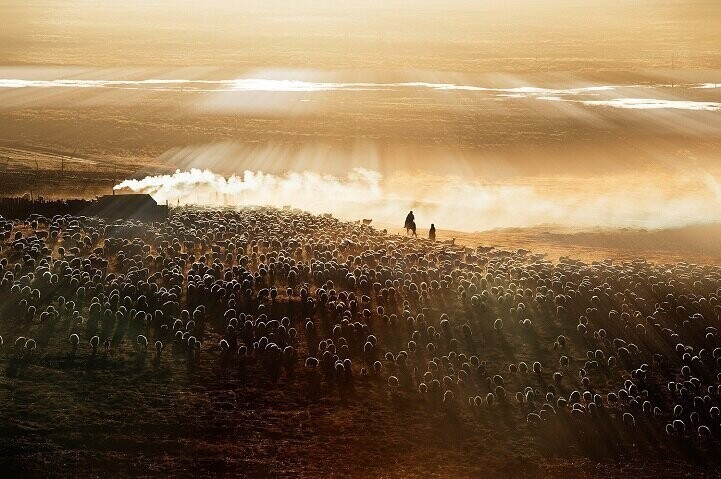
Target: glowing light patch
(290,86)
(302,86)
(654,104)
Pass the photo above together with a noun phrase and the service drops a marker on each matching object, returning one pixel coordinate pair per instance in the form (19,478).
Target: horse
(411,226)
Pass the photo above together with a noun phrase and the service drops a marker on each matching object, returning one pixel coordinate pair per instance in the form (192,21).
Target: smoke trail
(309,191)
(452,203)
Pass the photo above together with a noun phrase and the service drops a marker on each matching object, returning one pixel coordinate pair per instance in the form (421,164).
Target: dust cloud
(454,203)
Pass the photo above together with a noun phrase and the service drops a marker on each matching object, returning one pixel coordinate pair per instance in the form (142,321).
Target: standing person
(432,232)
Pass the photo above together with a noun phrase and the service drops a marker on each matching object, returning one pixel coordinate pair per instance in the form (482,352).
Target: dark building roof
(132,206)
(128,199)
(139,206)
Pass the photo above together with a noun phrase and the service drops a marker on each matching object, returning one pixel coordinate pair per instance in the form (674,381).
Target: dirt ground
(693,244)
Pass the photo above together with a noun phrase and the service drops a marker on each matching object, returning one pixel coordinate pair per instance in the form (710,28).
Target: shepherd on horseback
(410,224)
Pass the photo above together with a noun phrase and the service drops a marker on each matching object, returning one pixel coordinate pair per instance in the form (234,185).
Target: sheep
(74,341)
(393,385)
(679,427)
(231,276)
(30,345)
(498,325)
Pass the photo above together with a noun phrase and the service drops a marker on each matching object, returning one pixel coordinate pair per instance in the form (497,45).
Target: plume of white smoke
(454,203)
(306,190)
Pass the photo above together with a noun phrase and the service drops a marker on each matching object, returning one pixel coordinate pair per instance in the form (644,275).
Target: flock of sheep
(623,354)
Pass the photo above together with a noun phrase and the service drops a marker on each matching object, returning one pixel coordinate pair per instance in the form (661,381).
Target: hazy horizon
(599,114)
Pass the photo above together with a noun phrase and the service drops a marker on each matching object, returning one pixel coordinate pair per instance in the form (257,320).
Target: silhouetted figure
(412,228)
(409,219)
(410,224)
(432,232)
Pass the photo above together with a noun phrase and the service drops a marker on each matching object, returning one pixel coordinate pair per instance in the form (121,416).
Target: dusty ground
(693,244)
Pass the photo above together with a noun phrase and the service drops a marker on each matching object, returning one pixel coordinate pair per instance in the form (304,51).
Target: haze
(463,36)
(601,114)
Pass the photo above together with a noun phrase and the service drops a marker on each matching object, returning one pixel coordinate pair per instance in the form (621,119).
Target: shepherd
(410,224)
